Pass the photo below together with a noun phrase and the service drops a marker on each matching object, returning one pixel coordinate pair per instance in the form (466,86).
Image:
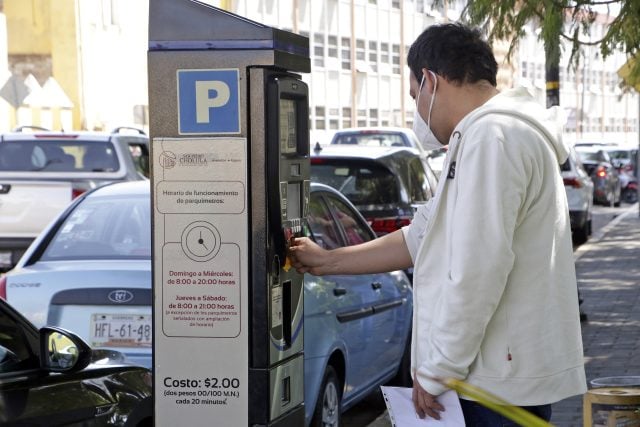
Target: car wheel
(617,201)
(403,377)
(581,234)
(329,404)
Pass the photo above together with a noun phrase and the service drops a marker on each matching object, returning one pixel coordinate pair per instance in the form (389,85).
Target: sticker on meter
(276,306)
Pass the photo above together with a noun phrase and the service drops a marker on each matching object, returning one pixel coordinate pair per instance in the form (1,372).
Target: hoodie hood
(520,103)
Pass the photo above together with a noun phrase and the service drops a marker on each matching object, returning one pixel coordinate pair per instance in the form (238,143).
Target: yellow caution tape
(504,408)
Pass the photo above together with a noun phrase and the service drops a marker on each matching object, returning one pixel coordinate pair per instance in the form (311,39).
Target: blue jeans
(476,415)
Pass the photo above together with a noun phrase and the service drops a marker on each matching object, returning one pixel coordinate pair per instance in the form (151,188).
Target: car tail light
(3,287)
(572,182)
(388,225)
(75,192)
(316,161)
(601,172)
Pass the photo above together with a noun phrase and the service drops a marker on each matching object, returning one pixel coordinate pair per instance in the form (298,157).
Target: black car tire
(581,234)
(329,404)
(403,376)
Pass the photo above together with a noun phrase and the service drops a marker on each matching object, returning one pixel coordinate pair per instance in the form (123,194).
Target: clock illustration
(200,241)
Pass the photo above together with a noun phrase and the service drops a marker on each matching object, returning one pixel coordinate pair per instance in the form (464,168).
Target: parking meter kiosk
(230,188)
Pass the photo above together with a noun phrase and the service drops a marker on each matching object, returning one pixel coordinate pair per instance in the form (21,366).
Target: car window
(323,228)
(419,190)
(372,139)
(15,346)
(106,227)
(362,183)
(589,156)
(354,229)
(65,155)
(140,156)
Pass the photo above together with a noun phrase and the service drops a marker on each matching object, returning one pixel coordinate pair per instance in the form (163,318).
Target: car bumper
(11,249)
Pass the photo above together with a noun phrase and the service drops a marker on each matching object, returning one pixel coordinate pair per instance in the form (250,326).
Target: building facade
(95,50)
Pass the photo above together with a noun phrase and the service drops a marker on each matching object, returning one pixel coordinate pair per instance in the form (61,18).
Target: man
(495,299)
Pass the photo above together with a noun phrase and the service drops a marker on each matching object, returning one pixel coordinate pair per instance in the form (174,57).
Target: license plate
(121,330)
(5,259)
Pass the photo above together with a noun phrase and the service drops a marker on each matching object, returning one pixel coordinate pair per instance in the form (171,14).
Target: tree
(562,20)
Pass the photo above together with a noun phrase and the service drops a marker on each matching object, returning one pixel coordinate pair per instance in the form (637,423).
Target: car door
(338,307)
(387,292)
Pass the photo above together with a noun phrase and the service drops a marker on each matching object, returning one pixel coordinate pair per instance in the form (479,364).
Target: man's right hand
(307,256)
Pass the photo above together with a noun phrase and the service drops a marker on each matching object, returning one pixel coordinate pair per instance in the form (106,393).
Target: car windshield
(620,154)
(588,156)
(104,228)
(363,184)
(63,155)
(372,139)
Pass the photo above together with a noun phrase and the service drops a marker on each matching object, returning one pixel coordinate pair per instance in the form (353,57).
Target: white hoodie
(495,295)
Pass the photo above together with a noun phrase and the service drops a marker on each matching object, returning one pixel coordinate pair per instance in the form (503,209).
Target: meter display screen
(294,200)
(288,130)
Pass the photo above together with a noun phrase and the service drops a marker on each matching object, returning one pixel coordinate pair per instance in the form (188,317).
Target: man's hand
(426,404)
(307,256)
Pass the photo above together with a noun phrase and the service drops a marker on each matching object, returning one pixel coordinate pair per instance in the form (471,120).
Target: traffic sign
(208,101)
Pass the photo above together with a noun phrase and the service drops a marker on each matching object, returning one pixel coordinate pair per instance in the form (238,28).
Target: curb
(597,237)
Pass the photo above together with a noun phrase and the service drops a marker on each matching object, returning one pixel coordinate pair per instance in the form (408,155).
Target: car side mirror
(62,351)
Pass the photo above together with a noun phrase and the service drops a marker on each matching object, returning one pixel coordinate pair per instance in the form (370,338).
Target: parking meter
(230,189)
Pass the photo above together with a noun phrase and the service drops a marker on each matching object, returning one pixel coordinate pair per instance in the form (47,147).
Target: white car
(89,271)
(579,187)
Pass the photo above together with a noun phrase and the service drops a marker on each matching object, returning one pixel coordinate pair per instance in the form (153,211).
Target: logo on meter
(208,101)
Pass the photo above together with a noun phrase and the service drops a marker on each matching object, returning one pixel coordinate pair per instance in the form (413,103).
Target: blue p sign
(208,101)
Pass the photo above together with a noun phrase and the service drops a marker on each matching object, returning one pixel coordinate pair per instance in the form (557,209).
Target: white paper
(403,414)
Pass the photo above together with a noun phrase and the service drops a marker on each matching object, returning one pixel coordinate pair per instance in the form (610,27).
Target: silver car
(579,188)
(89,271)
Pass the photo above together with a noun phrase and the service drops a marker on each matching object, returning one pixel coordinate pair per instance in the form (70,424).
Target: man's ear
(430,79)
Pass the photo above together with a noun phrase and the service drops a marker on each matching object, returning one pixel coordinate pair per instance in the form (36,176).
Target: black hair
(457,52)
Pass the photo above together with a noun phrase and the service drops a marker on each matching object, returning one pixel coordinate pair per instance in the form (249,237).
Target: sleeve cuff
(431,386)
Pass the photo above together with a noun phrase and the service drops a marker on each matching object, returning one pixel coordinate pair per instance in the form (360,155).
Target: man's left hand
(426,404)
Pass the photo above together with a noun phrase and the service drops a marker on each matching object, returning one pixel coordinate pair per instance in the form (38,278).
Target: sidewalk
(608,271)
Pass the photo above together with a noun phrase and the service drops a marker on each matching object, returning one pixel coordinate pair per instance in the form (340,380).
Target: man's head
(453,71)
(455,52)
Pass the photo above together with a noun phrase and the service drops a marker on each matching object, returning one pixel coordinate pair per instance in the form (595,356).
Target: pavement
(608,272)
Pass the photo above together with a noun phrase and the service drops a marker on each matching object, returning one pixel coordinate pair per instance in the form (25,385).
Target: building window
(320,116)
(360,54)
(318,50)
(373,117)
(373,55)
(334,118)
(395,58)
(395,4)
(332,43)
(346,53)
(346,117)
(420,6)
(384,53)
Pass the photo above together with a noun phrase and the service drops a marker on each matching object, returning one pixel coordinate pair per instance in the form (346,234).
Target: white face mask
(423,130)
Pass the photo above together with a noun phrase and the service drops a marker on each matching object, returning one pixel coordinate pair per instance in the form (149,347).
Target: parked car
(597,163)
(384,136)
(42,171)
(377,137)
(579,188)
(357,328)
(51,377)
(386,184)
(90,271)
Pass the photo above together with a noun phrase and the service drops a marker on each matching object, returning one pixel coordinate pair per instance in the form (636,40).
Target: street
(370,412)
